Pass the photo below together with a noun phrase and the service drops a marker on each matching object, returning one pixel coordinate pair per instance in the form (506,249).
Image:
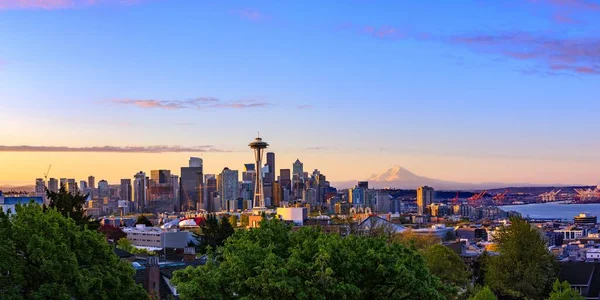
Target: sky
(471,91)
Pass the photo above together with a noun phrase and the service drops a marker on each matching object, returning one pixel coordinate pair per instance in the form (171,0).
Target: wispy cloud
(381,32)
(251,15)
(60,4)
(114,149)
(564,9)
(304,106)
(197,103)
(568,54)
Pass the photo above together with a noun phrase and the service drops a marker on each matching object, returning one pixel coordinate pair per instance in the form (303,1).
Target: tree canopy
(142,219)
(563,291)
(112,233)
(446,265)
(484,294)
(274,262)
(524,268)
(69,205)
(47,256)
(214,233)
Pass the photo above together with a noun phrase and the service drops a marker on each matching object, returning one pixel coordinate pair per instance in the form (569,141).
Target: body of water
(554,210)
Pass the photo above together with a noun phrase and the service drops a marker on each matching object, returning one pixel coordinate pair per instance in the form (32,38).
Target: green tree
(524,269)
(142,219)
(419,241)
(563,291)
(47,256)
(214,233)
(69,205)
(274,262)
(233,220)
(446,265)
(484,294)
(479,267)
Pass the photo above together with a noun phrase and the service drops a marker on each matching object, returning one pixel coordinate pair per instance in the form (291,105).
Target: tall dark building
(277,194)
(125,190)
(92,182)
(270,177)
(210,191)
(285,179)
(363,185)
(191,181)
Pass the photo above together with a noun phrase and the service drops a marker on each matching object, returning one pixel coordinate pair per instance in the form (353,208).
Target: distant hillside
(20,188)
(400,178)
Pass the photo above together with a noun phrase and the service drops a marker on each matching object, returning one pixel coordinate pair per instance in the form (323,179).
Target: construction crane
(47,173)
(498,198)
(454,200)
(476,197)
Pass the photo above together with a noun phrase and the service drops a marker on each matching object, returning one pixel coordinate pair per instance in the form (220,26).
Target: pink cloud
(197,103)
(59,4)
(250,15)
(564,19)
(111,149)
(576,55)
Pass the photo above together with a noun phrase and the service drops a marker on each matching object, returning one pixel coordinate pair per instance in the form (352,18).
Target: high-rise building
(125,190)
(384,203)
(83,186)
(140,190)
(424,199)
(195,162)
(363,185)
(285,179)
(259,146)
(176,190)
(270,177)
(161,176)
(72,186)
(63,182)
(92,182)
(210,192)
(298,169)
(40,186)
(53,185)
(277,194)
(227,183)
(249,172)
(103,189)
(190,183)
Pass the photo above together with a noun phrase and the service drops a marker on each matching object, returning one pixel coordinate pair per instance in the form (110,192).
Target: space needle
(258,145)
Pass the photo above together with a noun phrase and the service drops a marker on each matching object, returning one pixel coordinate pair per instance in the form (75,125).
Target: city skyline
(493,92)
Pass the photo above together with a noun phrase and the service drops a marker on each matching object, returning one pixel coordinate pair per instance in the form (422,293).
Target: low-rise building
(155,238)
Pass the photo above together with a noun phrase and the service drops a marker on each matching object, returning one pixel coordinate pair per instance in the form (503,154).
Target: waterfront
(553,210)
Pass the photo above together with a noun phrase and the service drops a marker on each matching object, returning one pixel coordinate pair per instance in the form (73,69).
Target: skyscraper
(249,172)
(270,177)
(125,190)
(72,186)
(161,176)
(285,179)
(92,182)
(176,190)
(195,162)
(63,182)
(190,184)
(53,185)
(103,189)
(424,199)
(40,186)
(298,169)
(363,185)
(83,186)
(259,146)
(140,185)
(227,183)
(209,192)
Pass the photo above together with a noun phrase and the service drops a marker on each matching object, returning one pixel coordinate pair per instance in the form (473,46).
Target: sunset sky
(473,91)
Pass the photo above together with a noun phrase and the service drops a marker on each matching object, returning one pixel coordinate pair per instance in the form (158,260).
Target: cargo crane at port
(499,198)
(586,195)
(550,196)
(454,200)
(473,199)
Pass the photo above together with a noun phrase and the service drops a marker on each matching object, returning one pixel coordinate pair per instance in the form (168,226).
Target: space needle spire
(258,145)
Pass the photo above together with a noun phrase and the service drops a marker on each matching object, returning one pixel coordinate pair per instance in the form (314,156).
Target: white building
(592,255)
(156,238)
(572,233)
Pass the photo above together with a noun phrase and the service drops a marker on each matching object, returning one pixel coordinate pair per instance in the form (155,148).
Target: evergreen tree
(69,205)
(142,219)
(563,291)
(446,265)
